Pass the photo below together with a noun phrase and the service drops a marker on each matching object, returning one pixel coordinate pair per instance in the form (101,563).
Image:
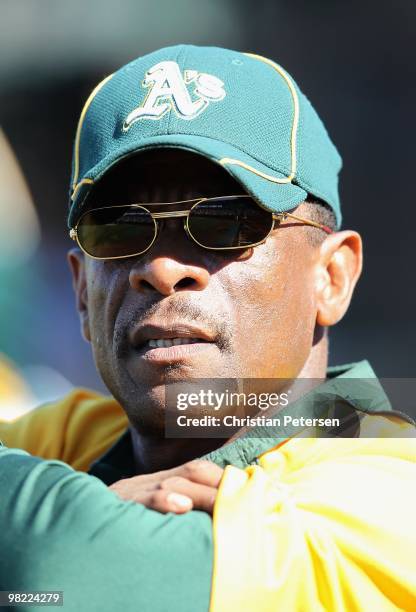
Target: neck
(153,453)
(317,362)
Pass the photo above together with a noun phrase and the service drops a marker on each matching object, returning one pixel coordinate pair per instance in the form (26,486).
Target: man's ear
(338,270)
(76,261)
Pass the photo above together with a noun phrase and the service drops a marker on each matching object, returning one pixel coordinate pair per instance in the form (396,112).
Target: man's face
(255,310)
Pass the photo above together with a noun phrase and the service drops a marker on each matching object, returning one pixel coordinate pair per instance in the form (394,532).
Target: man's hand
(193,485)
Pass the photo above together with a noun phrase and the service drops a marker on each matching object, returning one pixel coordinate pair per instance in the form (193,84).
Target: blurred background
(356,63)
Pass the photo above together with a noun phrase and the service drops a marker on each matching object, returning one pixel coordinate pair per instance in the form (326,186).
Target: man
(205,207)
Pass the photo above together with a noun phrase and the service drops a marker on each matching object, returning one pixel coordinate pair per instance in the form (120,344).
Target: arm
(63,530)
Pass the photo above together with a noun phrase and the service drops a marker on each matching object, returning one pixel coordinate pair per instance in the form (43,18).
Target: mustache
(185,311)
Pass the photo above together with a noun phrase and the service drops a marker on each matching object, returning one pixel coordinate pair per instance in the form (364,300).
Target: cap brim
(268,187)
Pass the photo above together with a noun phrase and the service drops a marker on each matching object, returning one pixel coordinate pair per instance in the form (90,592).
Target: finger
(202,496)
(200,471)
(164,500)
(152,497)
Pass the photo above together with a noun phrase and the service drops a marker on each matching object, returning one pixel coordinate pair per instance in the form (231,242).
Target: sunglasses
(221,223)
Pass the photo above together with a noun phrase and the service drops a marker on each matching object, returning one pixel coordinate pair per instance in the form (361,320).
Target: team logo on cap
(188,94)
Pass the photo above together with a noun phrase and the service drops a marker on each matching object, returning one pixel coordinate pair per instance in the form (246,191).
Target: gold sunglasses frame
(73,232)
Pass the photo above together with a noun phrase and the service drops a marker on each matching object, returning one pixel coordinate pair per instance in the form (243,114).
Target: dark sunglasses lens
(116,231)
(232,221)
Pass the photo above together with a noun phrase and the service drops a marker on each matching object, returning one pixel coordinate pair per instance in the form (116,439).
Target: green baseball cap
(241,110)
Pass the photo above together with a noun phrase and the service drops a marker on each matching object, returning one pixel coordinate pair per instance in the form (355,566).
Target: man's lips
(166,344)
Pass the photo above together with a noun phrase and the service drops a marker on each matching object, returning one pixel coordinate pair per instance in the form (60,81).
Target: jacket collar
(356,383)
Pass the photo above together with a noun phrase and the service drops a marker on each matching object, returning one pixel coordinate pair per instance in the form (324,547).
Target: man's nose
(167,276)
(165,268)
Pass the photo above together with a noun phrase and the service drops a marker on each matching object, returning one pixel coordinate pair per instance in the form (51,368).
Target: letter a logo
(168,90)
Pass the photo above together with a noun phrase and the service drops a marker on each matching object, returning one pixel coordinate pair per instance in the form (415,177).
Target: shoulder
(76,428)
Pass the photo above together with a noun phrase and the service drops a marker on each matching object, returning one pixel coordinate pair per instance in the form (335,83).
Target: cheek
(274,310)
(106,284)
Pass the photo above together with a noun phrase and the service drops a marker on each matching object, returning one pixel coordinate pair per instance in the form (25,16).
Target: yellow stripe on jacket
(76,429)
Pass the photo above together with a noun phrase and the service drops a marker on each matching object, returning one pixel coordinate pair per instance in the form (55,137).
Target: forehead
(162,175)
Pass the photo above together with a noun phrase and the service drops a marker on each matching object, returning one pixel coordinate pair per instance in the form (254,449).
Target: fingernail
(179,502)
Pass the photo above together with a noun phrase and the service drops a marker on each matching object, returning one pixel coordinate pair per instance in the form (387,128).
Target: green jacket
(64,530)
